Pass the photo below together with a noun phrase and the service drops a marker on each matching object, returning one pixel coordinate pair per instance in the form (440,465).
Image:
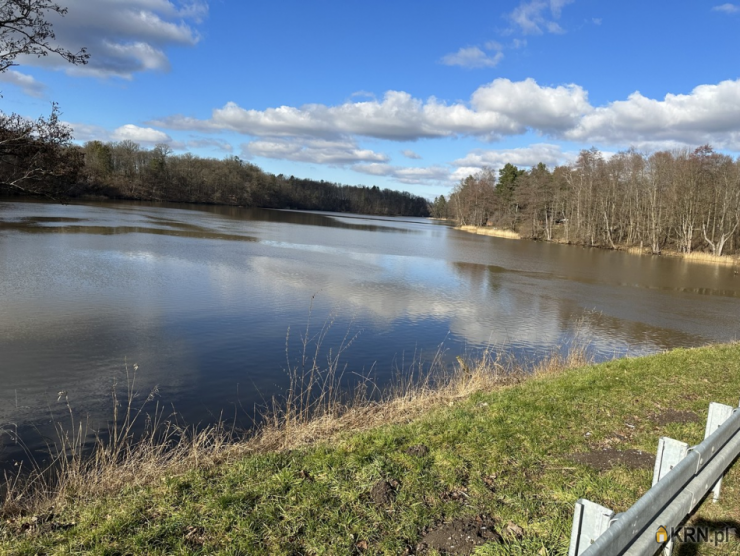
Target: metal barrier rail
(682,477)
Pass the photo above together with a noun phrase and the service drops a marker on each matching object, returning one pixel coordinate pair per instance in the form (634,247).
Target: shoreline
(695,256)
(99,198)
(288,424)
(508,457)
(489,231)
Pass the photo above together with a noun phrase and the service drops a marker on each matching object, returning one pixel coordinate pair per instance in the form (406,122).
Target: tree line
(683,200)
(126,170)
(40,158)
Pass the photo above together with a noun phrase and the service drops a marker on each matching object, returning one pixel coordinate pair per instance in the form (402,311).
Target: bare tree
(723,203)
(36,156)
(25,30)
(474,198)
(680,200)
(660,167)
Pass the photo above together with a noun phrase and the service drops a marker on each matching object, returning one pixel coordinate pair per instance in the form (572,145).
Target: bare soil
(382,493)
(603,460)
(460,536)
(673,416)
(420,450)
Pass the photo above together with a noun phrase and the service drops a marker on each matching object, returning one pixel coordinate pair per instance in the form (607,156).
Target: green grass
(508,453)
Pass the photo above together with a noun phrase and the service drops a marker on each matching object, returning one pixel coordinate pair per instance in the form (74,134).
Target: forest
(40,158)
(682,200)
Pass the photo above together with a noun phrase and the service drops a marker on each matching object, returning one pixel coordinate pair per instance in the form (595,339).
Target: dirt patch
(490,482)
(420,450)
(383,493)
(673,416)
(460,536)
(460,493)
(604,460)
(514,530)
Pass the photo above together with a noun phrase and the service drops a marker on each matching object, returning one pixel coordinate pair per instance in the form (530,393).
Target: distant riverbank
(696,256)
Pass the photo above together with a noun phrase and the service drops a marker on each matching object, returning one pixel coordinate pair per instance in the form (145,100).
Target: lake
(211,303)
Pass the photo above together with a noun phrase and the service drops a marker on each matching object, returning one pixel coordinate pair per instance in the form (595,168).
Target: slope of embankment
(497,471)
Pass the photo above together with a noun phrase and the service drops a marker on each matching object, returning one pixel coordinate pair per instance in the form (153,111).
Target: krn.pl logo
(661,535)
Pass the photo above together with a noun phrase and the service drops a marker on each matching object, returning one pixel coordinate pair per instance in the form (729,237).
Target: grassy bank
(483,462)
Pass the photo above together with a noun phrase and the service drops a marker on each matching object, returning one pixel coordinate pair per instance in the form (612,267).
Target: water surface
(201,299)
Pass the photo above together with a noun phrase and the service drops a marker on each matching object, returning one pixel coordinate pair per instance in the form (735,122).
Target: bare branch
(37,156)
(26,30)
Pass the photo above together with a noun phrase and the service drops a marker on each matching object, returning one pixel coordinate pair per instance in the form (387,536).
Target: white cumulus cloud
(138,134)
(325,134)
(318,151)
(123,37)
(531,106)
(502,107)
(523,157)
(146,136)
(708,114)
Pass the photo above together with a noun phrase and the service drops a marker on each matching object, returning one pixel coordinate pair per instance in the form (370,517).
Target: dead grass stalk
(316,408)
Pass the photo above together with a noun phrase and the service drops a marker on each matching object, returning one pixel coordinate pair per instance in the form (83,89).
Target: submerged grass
(477,442)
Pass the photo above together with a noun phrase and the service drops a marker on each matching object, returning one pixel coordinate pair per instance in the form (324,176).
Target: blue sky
(409,95)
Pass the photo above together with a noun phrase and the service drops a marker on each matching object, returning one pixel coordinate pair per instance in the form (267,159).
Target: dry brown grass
(315,409)
(700,257)
(489,231)
(696,256)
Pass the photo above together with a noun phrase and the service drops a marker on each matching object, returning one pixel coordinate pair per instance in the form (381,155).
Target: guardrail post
(718,414)
(675,495)
(590,520)
(670,452)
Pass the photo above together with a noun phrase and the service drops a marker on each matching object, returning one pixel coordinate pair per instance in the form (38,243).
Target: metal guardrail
(682,478)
